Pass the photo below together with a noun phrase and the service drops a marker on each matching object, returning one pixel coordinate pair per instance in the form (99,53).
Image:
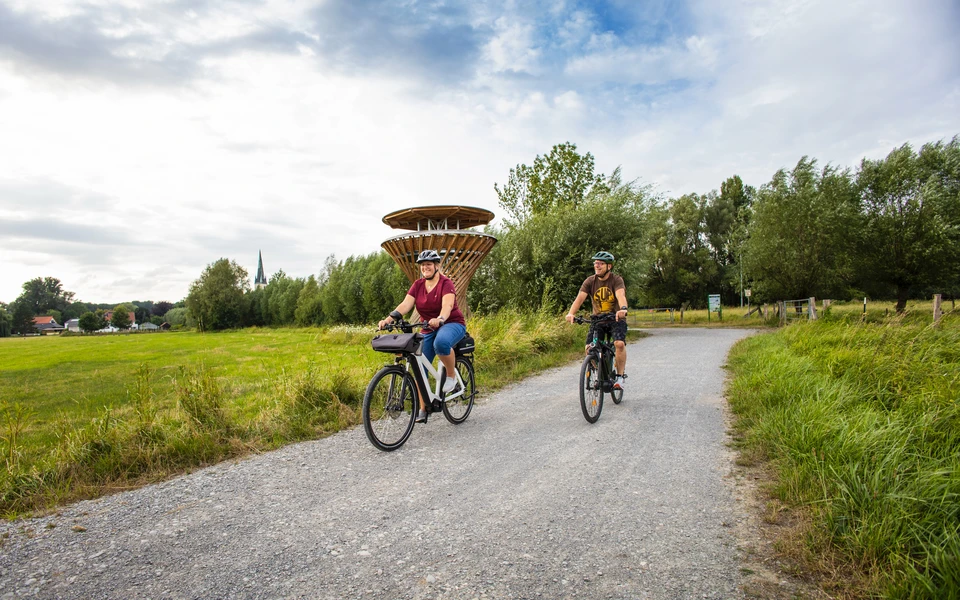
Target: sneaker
(449,385)
(618,384)
(421,417)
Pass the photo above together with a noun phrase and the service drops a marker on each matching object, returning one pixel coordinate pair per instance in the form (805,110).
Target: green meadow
(859,417)
(81,416)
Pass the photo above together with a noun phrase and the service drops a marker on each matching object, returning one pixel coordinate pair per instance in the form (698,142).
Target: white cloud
(513,47)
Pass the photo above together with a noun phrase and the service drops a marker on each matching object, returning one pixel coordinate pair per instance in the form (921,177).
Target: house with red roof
(46,325)
(108,317)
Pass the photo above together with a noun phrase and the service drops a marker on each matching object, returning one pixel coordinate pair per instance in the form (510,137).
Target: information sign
(713,302)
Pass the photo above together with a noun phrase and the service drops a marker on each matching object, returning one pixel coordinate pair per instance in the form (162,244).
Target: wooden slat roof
(423,218)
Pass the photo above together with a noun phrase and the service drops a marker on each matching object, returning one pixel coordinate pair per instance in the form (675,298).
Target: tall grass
(862,422)
(109,413)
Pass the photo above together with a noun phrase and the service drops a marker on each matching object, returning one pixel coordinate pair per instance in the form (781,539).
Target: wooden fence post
(812,303)
(937,308)
(782,309)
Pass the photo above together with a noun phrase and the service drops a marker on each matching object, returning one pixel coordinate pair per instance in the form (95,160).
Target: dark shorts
(617,328)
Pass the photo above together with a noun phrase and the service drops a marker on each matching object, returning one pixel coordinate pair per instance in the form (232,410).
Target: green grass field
(85,415)
(859,416)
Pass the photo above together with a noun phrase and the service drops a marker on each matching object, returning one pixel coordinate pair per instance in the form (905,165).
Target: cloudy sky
(141,140)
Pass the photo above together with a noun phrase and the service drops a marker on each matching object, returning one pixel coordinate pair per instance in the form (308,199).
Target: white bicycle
(390,403)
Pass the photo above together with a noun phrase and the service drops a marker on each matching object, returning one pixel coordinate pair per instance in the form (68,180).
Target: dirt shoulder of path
(769,535)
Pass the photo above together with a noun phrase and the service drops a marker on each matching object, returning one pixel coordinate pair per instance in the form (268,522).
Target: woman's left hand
(435,323)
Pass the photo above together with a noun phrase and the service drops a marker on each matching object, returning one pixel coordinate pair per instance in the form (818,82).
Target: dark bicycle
(390,403)
(597,373)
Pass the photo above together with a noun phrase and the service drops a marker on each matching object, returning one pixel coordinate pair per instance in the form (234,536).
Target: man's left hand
(621,315)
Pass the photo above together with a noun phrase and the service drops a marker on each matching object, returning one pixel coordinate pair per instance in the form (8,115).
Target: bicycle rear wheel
(389,408)
(458,409)
(591,389)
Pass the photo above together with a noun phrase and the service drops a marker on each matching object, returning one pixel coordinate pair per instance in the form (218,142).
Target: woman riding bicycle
(435,299)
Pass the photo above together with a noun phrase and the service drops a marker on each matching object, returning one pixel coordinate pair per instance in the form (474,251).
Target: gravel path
(524,500)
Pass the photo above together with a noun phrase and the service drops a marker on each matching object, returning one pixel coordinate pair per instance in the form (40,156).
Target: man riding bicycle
(606,292)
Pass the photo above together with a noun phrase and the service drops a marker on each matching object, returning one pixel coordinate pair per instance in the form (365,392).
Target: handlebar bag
(397,342)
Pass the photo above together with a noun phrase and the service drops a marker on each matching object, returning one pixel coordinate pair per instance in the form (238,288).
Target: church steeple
(261,280)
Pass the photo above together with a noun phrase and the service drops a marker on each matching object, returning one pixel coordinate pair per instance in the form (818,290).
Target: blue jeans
(442,340)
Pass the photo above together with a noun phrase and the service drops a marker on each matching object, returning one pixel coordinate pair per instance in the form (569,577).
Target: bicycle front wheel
(591,389)
(389,408)
(458,409)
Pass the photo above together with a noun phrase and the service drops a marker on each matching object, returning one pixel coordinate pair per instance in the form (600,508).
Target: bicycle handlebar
(401,325)
(598,318)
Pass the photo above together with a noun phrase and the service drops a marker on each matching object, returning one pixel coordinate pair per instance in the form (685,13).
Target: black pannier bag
(396,343)
(465,345)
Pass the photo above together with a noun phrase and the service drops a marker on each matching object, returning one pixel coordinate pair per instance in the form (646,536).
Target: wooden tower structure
(445,229)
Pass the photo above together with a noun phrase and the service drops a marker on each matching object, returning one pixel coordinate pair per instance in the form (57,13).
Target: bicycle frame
(603,349)
(422,375)
(605,353)
(424,370)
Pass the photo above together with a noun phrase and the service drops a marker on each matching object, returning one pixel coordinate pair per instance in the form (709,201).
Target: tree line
(45,296)
(888,229)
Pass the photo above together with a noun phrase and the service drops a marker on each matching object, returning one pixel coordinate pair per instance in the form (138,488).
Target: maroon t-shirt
(430,303)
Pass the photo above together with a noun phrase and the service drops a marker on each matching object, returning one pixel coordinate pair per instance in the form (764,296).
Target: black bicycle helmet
(604,256)
(428,256)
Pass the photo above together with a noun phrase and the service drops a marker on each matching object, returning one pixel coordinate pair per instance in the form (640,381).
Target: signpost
(713,305)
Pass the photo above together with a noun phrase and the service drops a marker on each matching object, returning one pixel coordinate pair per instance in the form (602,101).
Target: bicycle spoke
(457,408)
(591,389)
(388,409)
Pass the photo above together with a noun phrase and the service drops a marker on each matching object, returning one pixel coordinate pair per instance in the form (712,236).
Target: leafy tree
(800,242)
(350,290)
(330,296)
(121,317)
(562,179)
(179,317)
(281,295)
(75,310)
(275,304)
(541,262)
(45,293)
(161,308)
(216,299)
(89,322)
(6,321)
(684,269)
(383,286)
(21,318)
(309,308)
(141,313)
(911,228)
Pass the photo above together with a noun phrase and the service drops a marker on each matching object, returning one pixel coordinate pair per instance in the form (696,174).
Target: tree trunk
(902,292)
